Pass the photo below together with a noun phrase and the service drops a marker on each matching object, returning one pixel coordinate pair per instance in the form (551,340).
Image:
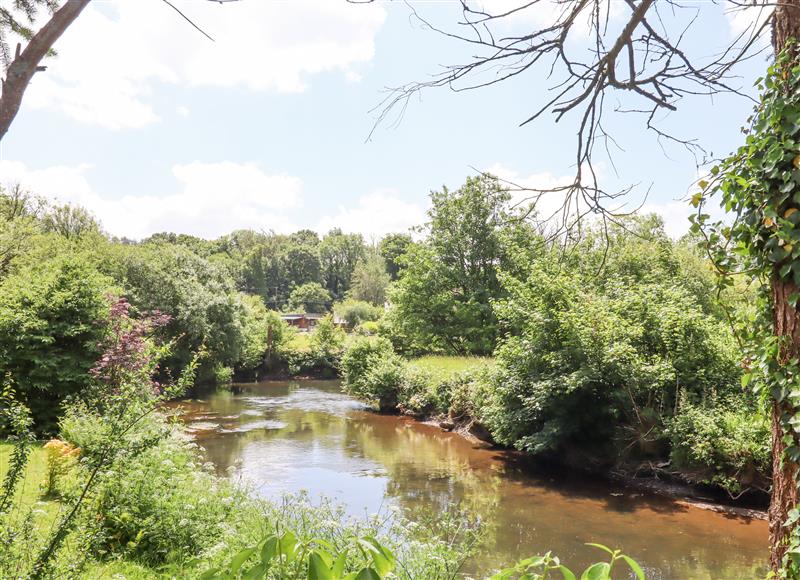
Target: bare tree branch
(588,52)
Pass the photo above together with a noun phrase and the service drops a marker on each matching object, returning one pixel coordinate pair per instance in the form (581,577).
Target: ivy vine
(759,188)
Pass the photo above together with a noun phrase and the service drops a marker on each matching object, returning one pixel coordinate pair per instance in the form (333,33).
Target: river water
(287,436)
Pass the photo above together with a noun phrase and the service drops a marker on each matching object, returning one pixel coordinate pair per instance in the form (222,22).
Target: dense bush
(52,320)
(355,312)
(163,506)
(322,354)
(201,299)
(264,334)
(584,368)
(724,445)
(372,371)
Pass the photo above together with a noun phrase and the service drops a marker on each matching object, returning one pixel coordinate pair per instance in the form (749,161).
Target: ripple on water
(255,425)
(202,426)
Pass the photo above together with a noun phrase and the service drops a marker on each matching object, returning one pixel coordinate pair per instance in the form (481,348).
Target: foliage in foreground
(758,187)
(365,558)
(540,567)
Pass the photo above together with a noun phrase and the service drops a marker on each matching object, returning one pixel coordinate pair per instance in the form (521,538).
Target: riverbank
(644,477)
(466,396)
(284,436)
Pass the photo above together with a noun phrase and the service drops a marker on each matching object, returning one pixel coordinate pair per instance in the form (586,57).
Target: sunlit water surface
(287,436)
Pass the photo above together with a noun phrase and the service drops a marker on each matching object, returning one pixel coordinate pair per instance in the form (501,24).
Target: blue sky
(153,127)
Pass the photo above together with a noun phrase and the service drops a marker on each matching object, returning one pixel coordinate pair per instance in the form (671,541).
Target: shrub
(264,332)
(368,328)
(60,457)
(52,318)
(372,371)
(161,505)
(325,348)
(415,394)
(222,375)
(354,312)
(728,447)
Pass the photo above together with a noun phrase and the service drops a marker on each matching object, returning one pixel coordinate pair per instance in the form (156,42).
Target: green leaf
(269,550)
(368,574)
(257,572)
(599,571)
(317,568)
(287,545)
(210,574)
(566,573)
(240,559)
(338,566)
(634,565)
(601,547)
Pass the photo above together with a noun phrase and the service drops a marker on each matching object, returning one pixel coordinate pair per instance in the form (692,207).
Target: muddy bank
(644,477)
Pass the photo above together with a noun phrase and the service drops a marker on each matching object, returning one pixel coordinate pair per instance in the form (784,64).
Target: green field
(441,367)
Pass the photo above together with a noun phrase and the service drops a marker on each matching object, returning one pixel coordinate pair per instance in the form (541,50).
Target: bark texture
(784,486)
(27,62)
(785,27)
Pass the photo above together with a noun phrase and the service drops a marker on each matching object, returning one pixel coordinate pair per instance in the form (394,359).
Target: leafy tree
(70,221)
(354,312)
(300,262)
(392,248)
(52,321)
(339,255)
(310,297)
(370,280)
(264,333)
(200,298)
(443,298)
(19,223)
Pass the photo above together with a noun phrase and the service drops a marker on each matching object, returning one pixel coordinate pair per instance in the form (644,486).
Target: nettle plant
(759,188)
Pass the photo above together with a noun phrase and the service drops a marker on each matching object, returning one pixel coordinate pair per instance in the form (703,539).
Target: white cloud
(183,111)
(748,18)
(114,54)
(675,215)
(376,215)
(548,205)
(212,198)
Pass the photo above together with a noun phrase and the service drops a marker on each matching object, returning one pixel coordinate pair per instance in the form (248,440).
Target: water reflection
(287,436)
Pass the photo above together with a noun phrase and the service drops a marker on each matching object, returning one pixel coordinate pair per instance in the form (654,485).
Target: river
(287,436)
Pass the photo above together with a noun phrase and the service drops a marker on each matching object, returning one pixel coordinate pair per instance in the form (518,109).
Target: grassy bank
(443,367)
(720,448)
(148,521)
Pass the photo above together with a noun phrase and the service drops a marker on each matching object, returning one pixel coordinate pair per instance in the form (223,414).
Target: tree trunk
(785,26)
(26,62)
(784,472)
